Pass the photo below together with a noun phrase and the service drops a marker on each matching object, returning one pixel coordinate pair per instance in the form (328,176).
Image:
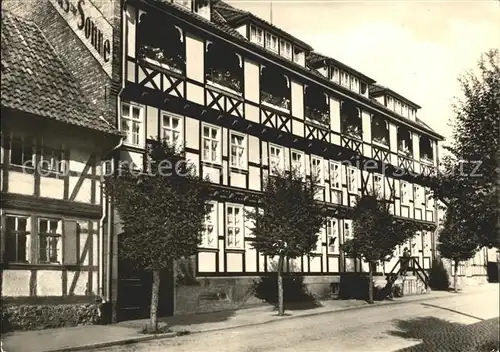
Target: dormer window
(344,79)
(271,42)
(286,49)
(390,103)
(334,74)
(299,57)
(256,35)
(355,84)
(364,88)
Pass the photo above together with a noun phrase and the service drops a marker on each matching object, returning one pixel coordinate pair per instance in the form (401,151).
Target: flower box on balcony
(279,103)
(317,115)
(156,56)
(225,80)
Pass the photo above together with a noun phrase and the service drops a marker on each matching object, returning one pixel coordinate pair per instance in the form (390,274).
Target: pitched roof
(315,60)
(235,16)
(35,81)
(377,89)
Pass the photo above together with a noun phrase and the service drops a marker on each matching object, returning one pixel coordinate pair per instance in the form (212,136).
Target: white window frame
(417,199)
(139,121)
(10,232)
(258,38)
(210,239)
(235,160)
(169,130)
(332,235)
(355,84)
(301,164)
(345,79)
(335,171)
(218,151)
(284,45)
(352,180)
(334,74)
(269,42)
(280,158)
(318,170)
(232,226)
(347,230)
(50,236)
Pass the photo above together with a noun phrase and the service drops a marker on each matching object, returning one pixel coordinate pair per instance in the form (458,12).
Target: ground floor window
(17,239)
(49,237)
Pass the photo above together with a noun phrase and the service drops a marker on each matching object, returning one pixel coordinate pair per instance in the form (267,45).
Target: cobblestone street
(463,323)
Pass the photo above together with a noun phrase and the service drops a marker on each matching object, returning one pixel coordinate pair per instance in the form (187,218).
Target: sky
(416,48)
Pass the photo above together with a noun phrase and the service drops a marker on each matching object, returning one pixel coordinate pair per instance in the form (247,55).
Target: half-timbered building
(53,141)
(243,97)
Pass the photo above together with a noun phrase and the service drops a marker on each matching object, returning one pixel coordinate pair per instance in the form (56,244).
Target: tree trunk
(154,301)
(455,277)
(370,282)
(281,308)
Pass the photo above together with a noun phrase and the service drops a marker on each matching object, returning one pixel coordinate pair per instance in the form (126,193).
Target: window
(172,129)
(405,193)
(238,148)
(398,107)
(319,242)
(132,124)
(51,160)
(418,196)
(355,84)
(332,235)
(298,56)
(49,234)
(211,144)
(209,238)
(352,182)
(344,79)
(271,42)
(378,186)
(256,35)
(317,168)
(347,229)
(298,162)
(17,239)
(334,74)
(390,103)
(286,49)
(234,226)
(276,160)
(21,153)
(335,175)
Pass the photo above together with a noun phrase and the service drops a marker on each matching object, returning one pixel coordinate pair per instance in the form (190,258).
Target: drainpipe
(104,206)
(436,212)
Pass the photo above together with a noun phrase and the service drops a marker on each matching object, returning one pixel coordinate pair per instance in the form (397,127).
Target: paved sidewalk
(94,336)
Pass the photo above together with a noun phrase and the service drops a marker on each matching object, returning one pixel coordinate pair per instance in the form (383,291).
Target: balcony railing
(281,103)
(156,56)
(317,115)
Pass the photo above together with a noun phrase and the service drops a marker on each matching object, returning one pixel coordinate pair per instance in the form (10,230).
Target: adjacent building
(243,97)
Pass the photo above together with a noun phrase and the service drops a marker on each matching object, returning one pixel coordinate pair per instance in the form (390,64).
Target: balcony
(225,81)
(317,116)
(275,102)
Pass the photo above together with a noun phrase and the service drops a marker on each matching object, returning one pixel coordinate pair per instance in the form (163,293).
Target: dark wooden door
(134,292)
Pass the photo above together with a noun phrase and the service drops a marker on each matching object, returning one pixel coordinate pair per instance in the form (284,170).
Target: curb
(272,320)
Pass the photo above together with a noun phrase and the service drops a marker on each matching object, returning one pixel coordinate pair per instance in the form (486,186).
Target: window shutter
(70,243)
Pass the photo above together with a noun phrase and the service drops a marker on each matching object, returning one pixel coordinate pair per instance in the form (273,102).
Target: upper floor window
(275,88)
(378,185)
(161,43)
(21,153)
(390,103)
(224,67)
(298,56)
(332,235)
(418,191)
(352,180)
(335,175)
(172,128)
(380,130)
(212,136)
(355,84)
(405,144)
(276,159)
(238,151)
(345,79)
(210,233)
(271,42)
(426,149)
(405,192)
(316,107)
(347,229)
(51,160)
(350,119)
(257,35)
(317,169)
(334,74)
(317,247)
(298,161)
(17,239)
(49,237)
(286,49)
(132,123)
(235,227)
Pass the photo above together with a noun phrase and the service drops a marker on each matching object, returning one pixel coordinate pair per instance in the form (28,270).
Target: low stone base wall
(37,317)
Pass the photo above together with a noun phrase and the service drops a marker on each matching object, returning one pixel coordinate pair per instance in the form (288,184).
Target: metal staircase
(401,270)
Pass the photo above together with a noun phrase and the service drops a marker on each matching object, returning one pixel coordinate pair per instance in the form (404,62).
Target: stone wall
(37,317)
